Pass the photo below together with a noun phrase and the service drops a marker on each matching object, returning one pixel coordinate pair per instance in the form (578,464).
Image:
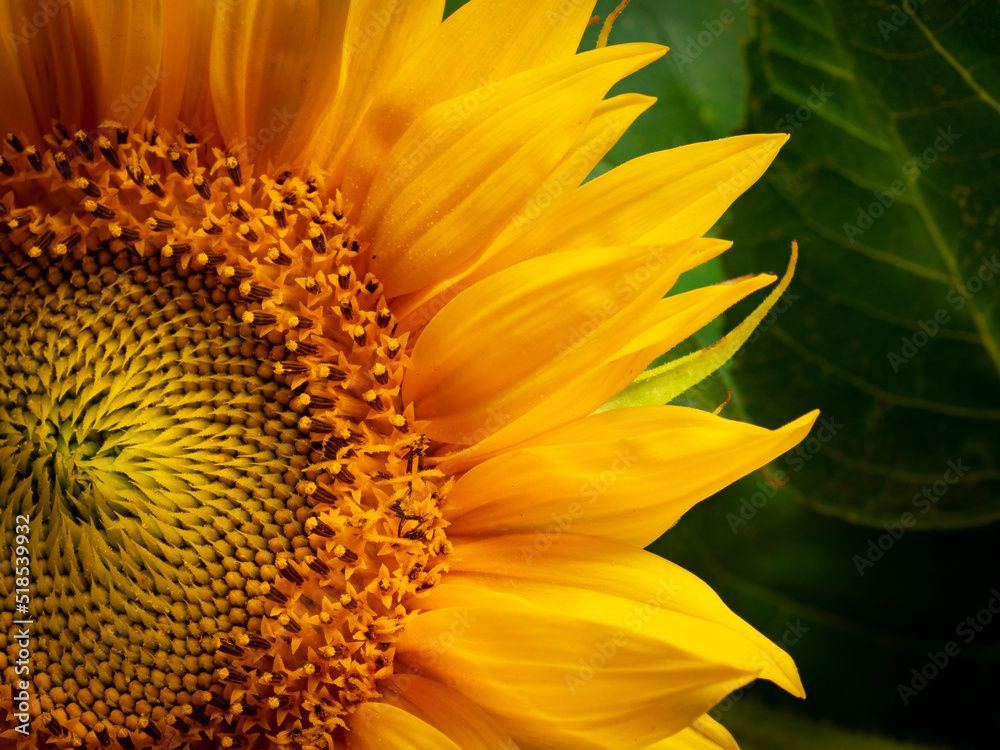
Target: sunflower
(307,320)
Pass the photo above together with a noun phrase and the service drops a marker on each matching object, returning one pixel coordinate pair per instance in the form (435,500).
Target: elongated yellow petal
(581,670)
(508,343)
(677,193)
(610,120)
(380,726)
(381,35)
(440,197)
(704,734)
(265,54)
(680,315)
(627,474)
(571,574)
(481,43)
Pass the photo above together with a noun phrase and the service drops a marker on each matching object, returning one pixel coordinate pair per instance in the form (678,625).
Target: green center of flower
(200,415)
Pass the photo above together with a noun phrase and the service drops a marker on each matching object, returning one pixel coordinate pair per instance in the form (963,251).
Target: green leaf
(759,727)
(889,183)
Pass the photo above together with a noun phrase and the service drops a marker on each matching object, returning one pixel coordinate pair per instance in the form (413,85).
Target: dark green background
(892,82)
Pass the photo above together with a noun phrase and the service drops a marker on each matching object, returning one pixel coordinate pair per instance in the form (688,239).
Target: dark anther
(60,130)
(292,626)
(322,529)
(290,573)
(291,198)
(109,152)
(89,187)
(213,259)
(179,162)
(355,246)
(6,167)
(201,185)
(344,277)
(383,318)
(127,234)
(347,309)
(345,476)
(189,137)
(135,173)
(181,725)
(210,227)
(62,165)
(304,347)
(320,402)
(159,225)
(322,494)
(34,158)
(233,675)
(347,556)
(125,740)
(199,715)
(381,375)
(257,292)
(319,243)
(96,209)
(371,284)
(154,187)
(248,710)
(275,596)
(228,647)
(320,426)
(283,177)
(235,171)
(218,701)
(333,444)
(14,142)
(43,242)
(289,368)
(102,734)
(71,241)
(360,335)
(121,135)
(392,348)
(54,726)
(152,731)
(261,644)
(311,185)
(83,143)
(246,232)
(279,215)
(336,375)
(238,211)
(317,565)
(263,318)
(278,258)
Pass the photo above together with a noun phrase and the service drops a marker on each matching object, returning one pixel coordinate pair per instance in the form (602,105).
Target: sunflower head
(288,401)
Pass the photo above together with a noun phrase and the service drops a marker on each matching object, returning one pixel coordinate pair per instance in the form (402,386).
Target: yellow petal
(675,318)
(505,345)
(601,581)
(465,723)
(265,57)
(481,43)
(381,36)
(440,198)
(627,474)
(704,734)
(611,119)
(677,193)
(380,726)
(582,669)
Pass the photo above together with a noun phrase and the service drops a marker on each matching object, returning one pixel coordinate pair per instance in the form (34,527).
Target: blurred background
(871,553)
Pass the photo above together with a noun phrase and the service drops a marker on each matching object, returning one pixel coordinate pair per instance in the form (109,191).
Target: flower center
(229,517)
